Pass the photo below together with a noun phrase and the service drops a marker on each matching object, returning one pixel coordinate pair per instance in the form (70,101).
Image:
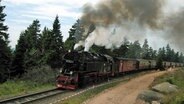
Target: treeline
(136,51)
(46,47)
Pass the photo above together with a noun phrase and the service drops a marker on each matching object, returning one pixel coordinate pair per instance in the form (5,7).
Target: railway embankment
(166,89)
(153,84)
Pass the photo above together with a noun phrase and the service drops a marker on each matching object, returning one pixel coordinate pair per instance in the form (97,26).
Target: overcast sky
(21,13)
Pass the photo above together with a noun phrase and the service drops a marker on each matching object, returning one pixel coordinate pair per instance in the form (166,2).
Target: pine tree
(134,50)
(159,59)
(17,67)
(46,41)
(168,53)
(71,40)
(145,50)
(5,52)
(56,45)
(33,47)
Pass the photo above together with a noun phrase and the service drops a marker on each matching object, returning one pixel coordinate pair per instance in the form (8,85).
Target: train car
(83,68)
(173,64)
(166,64)
(153,64)
(115,67)
(127,65)
(144,64)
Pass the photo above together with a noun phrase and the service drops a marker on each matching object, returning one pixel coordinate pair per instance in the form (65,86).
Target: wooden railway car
(127,65)
(153,64)
(144,64)
(166,64)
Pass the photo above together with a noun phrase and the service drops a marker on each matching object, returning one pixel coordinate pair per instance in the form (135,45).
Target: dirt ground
(125,93)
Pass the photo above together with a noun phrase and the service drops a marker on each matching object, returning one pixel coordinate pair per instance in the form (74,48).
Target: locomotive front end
(68,78)
(67,82)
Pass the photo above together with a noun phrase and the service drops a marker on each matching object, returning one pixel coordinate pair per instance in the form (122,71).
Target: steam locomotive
(85,68)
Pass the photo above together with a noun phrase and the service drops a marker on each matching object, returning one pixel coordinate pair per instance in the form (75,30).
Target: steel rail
(28,98)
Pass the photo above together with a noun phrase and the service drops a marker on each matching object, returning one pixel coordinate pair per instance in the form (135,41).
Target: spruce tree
(5,52)
(56,45)
(71,40)
(33,47)
(17,66)
(145,50)
(46,41)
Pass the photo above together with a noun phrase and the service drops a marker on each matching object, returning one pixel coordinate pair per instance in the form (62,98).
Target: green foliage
(40,74)
(70,41)
(35,79)
(134,50)
(175,78)
(17,66)
(56,45)
(5,52)
(32,43)
(14,88)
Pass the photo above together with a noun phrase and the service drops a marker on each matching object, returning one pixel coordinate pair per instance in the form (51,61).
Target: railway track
(32,97)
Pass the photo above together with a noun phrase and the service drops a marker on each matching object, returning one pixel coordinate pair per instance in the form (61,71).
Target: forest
(36,47)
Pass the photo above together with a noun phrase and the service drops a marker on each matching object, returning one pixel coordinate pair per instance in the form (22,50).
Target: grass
(176,78)
(36,79)
(14,88)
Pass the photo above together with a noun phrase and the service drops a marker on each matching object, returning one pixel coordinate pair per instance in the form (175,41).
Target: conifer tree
(17,67)
(33,47)
(46,41)
(5,52)
(71,40)
(56,45)
(145,50)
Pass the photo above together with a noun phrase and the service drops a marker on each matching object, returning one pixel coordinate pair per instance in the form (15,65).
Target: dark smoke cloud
(108,12)
(146,13)
(175,31)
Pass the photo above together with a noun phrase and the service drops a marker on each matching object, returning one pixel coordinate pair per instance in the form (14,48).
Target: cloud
(21,13)
(75,3)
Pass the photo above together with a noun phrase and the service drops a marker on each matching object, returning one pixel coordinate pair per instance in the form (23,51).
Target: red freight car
(127,65)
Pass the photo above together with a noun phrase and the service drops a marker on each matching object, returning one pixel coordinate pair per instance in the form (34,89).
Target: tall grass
(36,79)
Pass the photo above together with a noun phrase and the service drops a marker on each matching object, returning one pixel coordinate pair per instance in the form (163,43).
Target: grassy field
(14,88)
(176,78)
(37,79)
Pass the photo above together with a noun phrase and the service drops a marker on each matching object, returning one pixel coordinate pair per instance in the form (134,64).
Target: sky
(21,13)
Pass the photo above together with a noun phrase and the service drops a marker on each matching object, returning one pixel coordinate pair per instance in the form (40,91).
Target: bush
(41,75)
(36,79)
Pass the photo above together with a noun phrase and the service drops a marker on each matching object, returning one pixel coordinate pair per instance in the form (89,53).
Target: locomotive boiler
(84,68)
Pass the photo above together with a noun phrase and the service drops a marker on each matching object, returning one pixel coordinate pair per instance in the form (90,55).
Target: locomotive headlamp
(71,72)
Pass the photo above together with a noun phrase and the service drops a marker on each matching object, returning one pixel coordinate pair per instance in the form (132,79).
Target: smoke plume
(175,29)
(108,22)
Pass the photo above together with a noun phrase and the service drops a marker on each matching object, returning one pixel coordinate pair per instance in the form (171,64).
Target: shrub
(40,74)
